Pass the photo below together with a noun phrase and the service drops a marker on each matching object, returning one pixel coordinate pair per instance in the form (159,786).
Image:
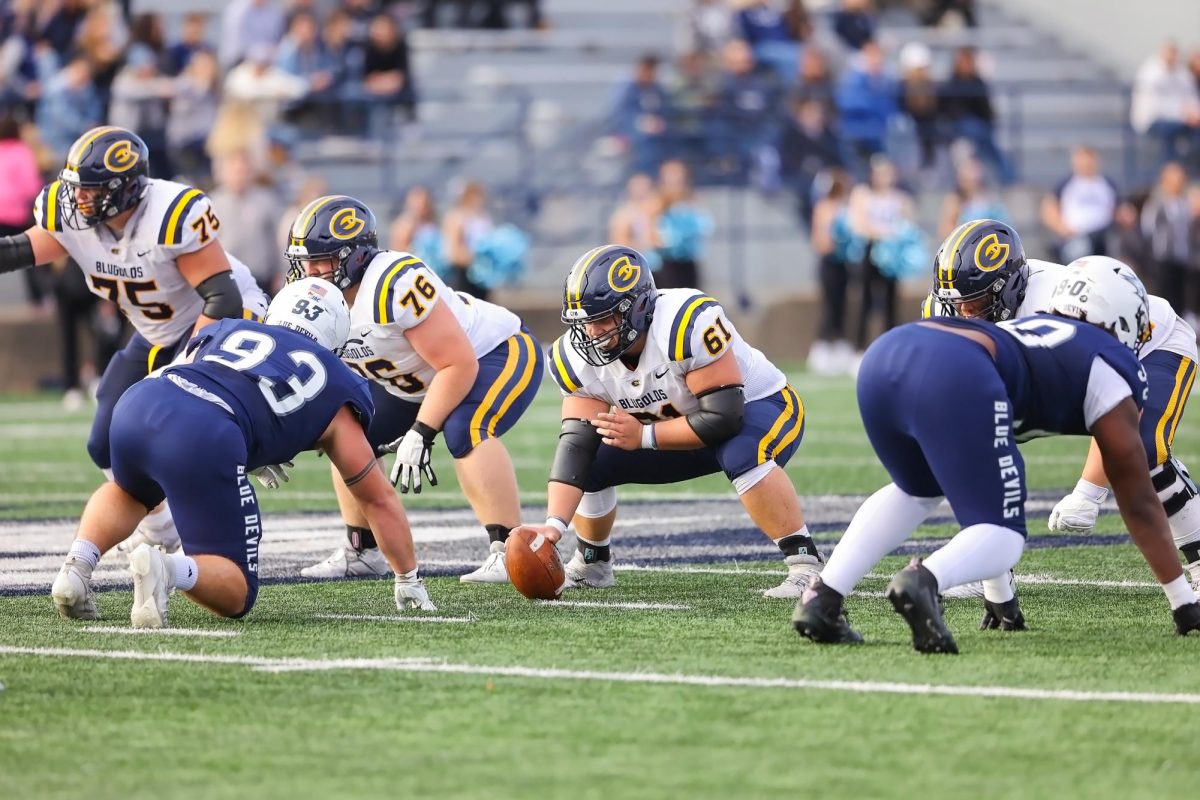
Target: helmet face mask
(111,167)
(609,282)
(315,308)
(979,260)
(334,227)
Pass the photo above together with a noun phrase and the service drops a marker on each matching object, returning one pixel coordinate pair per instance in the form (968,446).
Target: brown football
(533,564)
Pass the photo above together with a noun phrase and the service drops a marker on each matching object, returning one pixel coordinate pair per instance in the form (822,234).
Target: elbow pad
(720,414)
(578,442)
(16,252)
(222,297)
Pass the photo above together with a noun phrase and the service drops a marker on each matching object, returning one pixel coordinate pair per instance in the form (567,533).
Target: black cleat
(1187,618)
(1002,616)
(819,616)
(914,594)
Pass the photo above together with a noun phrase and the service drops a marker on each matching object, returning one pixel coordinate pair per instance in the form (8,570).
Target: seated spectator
(866,101)
(774,33)
(193,114)
(258,82)
(345,54)
(19,63)
(246,24)
(193,38)
(101,40)
(807,148)
(970,199)
(710,24)
(416,230)
(139,103)
(640,115)
(302,53)
(1080,210)
(692,97)
(1167,227)
(919,99)
(681,229)
(464,228)
(60,30)
(69,105)
(814,81)
(746,108)
(965,106)
(634,223)
(247,209)
(387,81)
(1166,103)
(854,23)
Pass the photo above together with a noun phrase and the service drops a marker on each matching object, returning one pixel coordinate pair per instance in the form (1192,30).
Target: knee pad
(748,480)
(598,504)
(1178,494)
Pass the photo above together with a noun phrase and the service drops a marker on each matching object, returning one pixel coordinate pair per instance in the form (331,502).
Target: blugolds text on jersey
(648,399)
(118,271)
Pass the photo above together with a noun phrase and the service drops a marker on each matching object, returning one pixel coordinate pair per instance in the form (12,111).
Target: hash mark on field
(215,634)
(620,606)
(266,664)
(386,618)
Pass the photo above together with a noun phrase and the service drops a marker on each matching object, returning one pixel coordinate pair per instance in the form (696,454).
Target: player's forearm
(447,390)
(675,434)
(1093,468)
(387,521)
(562,500)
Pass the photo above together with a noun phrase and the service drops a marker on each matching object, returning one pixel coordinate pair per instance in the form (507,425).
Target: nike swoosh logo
(142,253)
(664,372)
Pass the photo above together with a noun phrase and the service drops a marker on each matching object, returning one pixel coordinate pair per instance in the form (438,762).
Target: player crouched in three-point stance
(438,360)
(150,246)
(659,387)
(248,396)
(945,402)
(1009,287)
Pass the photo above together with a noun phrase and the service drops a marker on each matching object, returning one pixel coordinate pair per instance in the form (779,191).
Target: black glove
(1187,618)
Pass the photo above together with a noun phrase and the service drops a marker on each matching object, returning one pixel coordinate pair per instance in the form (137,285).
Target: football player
(439,360)
(248,395)
(151,247)
(1072,371)
(981,272)
(659,387)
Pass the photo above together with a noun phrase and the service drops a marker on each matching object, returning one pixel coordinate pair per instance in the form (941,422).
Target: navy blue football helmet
(112,162)
(980,271)
(606,281)
(338,227)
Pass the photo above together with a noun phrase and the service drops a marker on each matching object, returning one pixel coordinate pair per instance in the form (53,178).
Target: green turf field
(702,690)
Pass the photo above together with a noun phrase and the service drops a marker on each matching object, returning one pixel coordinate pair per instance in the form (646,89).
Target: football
(533,565)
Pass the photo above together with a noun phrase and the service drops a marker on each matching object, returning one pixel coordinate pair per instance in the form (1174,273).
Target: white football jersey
(396,293)
(138,269)
(689,330)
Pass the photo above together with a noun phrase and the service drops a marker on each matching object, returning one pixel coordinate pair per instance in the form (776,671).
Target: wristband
(427,433)
(1097,494)
(649,440)
(558,523)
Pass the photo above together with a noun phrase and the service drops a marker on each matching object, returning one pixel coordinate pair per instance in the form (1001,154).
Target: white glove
(1076,513)
(413,458)
(272,475)
(411,593)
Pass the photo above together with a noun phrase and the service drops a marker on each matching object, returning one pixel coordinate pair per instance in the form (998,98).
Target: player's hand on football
(619,429)
(1075,513)
(411,594)
(272,475)
(548,531)
(413,459)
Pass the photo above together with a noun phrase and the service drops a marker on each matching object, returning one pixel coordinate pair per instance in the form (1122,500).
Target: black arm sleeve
(578,442)
(720,414)
(222,298)
(16,252)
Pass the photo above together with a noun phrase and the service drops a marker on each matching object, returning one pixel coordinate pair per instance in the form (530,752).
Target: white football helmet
(314,307)
(1107,293)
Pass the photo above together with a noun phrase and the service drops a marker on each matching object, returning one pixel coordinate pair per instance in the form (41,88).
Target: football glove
(413,458)
(411,593)
(272,475)
(1075,513)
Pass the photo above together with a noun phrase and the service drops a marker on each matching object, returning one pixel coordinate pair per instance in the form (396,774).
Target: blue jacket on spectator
(865,103)
(683,229)
(64,111)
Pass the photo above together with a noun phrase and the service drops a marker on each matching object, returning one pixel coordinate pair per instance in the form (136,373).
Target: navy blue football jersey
(1046,362)
(283,388)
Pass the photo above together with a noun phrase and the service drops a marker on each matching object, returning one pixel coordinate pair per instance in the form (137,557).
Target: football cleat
(166,537)
(594,575)
(802,571)
(492,570)
(152,574)
(72,591)
(1187,618)
(913,592)
(1193,572)
(1002,616)
(819,616)
(346,562)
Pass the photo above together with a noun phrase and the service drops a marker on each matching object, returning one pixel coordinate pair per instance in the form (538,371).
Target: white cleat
(346,562)
(596,575)
(802,570)
(1193,573)
(165,538)
(72,591)
(151,586)
(492,570)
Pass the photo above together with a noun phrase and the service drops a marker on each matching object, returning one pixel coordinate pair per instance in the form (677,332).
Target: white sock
(880,525)
(186,571)
(85,551)
(160,518)
(999,589)
(978,552)
(1179,592)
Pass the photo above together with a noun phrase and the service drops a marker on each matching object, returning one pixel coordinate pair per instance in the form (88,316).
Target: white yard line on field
(617,606)
(282,665)
(386,618)
(213,634)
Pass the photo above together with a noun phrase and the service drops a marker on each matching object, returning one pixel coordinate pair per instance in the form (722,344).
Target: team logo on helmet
(120,156)
(346,224)
(990,253)
(623,274)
